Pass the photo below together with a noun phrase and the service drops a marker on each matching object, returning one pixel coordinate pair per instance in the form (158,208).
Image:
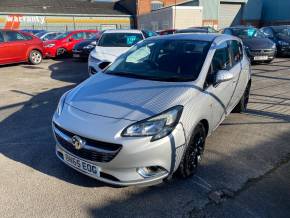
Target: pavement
(245,171)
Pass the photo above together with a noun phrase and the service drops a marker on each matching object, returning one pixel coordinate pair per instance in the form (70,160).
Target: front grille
(108,150)
(261,52)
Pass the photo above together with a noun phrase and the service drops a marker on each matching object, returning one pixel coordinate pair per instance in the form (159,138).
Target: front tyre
(193,152)
(35,57)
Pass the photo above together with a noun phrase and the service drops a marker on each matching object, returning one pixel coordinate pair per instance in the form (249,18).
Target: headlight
(158,126)
(89,47)
(274,46)
(50,45)
(283,43)
(61,104)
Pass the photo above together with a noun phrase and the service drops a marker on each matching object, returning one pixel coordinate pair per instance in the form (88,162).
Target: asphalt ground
(244,173)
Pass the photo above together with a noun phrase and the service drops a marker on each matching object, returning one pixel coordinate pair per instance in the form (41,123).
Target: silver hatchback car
(148,114)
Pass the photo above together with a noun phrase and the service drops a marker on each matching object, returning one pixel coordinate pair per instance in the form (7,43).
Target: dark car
(192,30)
(281,36)
(258,47)
(83,49)
(209,29)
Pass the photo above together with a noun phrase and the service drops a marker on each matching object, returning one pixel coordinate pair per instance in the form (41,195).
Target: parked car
(63,44)
(16,46)
(166,32)
(33,32)
(279,35)
(258,47)
(83,49)
(45,36)
(112,44)
(208,29)
(192,30)
(149,113)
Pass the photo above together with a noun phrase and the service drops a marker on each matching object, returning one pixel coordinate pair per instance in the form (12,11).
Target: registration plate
(83,166)
(76,55)
(261,58)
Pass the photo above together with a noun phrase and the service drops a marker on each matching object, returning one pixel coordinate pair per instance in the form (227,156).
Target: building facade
(61,15)
(276,12)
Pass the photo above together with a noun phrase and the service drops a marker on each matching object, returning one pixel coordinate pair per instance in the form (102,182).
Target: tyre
(243,103)
(61,52)
(193,153)
(35,57)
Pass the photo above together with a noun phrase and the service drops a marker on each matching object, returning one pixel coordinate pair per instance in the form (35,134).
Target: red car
(64,43)
(16,46)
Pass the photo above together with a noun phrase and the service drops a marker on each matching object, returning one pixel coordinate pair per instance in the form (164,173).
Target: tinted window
(247,33)
(119,39)
(236,51)
(63,35)
(1,37)
(78,36)
(14,36)
(163,60)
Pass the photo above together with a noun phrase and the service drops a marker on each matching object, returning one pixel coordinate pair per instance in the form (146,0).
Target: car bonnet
(128,98)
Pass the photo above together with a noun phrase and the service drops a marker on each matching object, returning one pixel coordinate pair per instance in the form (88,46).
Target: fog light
(152,171)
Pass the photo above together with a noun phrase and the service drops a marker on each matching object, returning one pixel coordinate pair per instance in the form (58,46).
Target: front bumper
(50,52)
(135,153)
(254,55)
(81,53)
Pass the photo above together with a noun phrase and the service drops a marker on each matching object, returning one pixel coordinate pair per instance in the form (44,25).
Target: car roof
(123,31)
(192,36)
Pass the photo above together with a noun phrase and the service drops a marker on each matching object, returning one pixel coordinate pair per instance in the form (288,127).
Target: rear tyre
(193,153)
(35,57)
(243,103)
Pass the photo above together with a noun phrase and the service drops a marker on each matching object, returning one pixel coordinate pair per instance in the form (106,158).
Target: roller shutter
(230,14)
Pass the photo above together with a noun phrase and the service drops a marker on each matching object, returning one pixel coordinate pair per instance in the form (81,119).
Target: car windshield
(162,60)
(120,39)
(248,33)
(283,31)
(62,36)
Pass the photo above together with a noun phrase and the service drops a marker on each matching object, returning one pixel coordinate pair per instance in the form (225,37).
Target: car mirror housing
(223,76)
(94,43)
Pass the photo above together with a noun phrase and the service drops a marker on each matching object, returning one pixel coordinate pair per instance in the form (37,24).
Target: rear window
(119,39)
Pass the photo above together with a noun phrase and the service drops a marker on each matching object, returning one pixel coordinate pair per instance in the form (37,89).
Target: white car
(148,114)
(111,45)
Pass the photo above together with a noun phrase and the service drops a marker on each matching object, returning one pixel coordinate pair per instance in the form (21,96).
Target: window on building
(155,5)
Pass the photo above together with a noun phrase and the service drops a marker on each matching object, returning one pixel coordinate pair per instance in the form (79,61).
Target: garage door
(230,14)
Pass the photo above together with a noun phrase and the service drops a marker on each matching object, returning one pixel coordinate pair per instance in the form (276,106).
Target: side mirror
(223,76)
(94,43)
(71,39)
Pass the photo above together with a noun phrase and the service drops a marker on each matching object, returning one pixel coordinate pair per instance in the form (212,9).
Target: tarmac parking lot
(245,171)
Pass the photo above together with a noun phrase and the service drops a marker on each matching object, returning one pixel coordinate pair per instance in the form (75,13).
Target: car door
(4,51)
(221,94)
(16,46)
(236,56)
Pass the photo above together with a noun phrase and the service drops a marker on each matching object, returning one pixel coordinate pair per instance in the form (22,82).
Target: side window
(268,32)
(220,61)
(78,36)
(236,49)
(90,35)
(228,32)
(14,36)
(1,37)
